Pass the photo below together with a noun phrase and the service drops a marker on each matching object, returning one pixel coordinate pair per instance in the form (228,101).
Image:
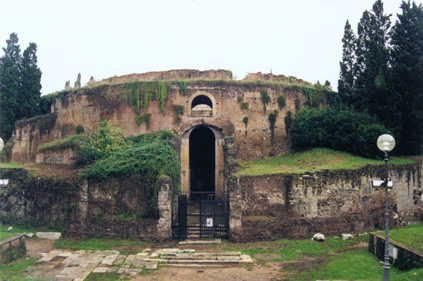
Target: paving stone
(108,260)
(226,258)
(151,265)
(49,256)
(146,250)
(129,259)
(154,255)
(119,260)
(64,254)
(142,254)
(100,269)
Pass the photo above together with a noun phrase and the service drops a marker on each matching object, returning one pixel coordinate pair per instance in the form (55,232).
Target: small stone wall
(400,255)
(12,248)
(269,207)
(65,156)
(116,208)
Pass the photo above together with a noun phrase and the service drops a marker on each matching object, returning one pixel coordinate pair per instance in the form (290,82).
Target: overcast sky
(103,38)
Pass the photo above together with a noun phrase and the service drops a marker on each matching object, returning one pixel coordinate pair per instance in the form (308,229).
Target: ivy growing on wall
(178,110)
(139,95)
(143,118)
(183,88)
(272,121)
(265,99)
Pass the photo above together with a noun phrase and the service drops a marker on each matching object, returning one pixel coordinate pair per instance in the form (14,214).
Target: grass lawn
(4,233)
(352,265)
(313,160)
(411,235)
(287,250)
(125,247)
(15,270)
(10,165)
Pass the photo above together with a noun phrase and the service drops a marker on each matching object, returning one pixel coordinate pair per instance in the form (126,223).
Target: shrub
(79,129)
(100,143)
(338,129)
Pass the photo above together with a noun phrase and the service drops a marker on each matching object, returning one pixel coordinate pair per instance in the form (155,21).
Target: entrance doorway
(202,160)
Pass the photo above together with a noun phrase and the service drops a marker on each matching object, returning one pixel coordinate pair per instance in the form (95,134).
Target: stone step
(199,242)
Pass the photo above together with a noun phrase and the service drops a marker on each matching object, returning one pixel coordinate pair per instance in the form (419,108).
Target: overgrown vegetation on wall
(265,99)
(178,110)
(148,159)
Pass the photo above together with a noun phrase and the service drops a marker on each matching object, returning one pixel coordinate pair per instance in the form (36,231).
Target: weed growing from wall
(244,105)
(79,129)
(281,102)
(265,99)
(178,110)
(272,120)
(239,99)
(245,121)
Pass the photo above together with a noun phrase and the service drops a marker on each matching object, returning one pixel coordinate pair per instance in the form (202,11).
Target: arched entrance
(202,164)
(202,160)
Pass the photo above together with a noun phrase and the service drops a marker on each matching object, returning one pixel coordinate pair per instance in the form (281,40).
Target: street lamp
(386,143)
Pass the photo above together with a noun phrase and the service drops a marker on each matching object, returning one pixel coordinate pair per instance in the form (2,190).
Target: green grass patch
(4,233)
(14,271)
(313,160)
(10,165)
(411,235)
(111,276)
(121,245)
(287,250)
(70,142)
(351,265)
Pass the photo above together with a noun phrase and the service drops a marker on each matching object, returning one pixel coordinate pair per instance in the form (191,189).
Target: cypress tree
(407,76)
(9,86)
(346,79)
(372,60)
(30,90)
(77,83)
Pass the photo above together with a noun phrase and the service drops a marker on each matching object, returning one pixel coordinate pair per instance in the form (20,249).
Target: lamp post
(386,143)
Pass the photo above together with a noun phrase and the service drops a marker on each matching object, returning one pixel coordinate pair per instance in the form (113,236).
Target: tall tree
(77,83)
(372,59)
(407,75)
(30,90)
(9,86)
(346,79)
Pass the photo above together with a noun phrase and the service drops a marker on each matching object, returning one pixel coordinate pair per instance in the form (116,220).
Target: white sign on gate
(4,182)
(209,222)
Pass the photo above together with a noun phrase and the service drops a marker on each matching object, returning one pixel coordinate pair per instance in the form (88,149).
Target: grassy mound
(313,160)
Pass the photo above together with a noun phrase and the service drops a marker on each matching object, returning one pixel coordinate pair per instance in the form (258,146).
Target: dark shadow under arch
(202,160)
(201,99)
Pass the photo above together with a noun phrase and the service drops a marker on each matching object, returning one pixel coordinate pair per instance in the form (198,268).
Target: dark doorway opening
(202,160)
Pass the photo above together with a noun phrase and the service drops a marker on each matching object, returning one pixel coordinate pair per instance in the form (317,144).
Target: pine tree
(371,68)
(30,90)
(407,75)
(67,85)
(9,86)
(77,83)
(346,79)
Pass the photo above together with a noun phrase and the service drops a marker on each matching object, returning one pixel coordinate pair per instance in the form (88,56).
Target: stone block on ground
(346,236)
(318,237)
(49,235)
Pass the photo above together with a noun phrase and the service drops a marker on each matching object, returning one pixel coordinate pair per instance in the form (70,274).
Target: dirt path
(35,247)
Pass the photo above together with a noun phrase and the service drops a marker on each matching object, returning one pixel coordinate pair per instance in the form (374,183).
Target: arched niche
(201,104)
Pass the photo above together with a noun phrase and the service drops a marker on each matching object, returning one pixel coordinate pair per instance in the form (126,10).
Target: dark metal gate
(200,215)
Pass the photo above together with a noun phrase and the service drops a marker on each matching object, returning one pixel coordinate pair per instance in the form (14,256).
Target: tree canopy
(20,85)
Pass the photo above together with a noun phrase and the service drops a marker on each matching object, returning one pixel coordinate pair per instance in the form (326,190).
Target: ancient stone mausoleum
(219,121)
